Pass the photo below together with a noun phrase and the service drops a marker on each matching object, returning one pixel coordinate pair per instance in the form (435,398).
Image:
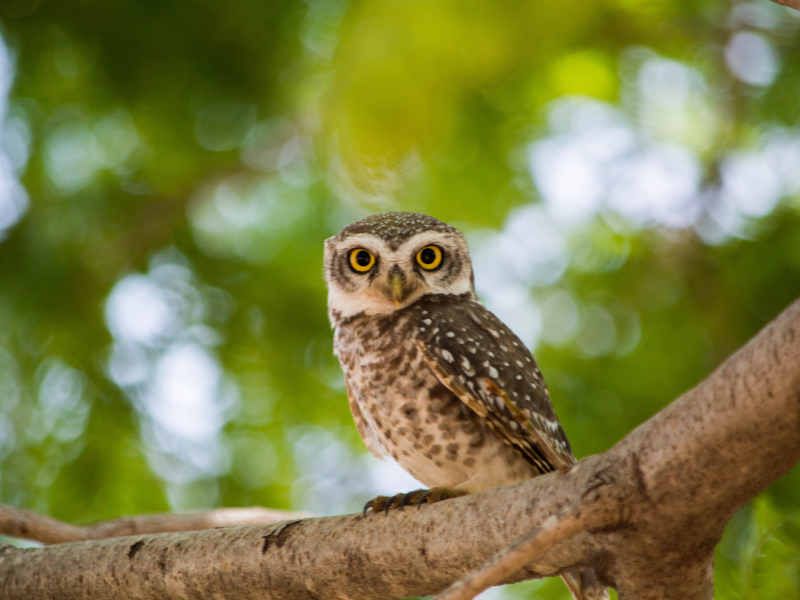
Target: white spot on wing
(467,366)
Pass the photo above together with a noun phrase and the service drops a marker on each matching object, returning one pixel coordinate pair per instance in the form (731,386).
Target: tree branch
(576,517)
(403,554)
(28,525)
(795,4)
(670,486)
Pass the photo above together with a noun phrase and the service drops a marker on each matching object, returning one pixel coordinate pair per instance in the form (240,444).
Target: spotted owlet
(434,379)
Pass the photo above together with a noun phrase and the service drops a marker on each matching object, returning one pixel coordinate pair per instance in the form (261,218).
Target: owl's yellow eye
(430,257)
(361,260)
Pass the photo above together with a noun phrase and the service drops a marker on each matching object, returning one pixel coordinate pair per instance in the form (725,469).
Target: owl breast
(403,410)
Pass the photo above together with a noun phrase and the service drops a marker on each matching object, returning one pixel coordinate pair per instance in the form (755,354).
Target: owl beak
(399,289)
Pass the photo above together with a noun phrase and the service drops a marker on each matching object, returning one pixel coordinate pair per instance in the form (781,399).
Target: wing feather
(482,362)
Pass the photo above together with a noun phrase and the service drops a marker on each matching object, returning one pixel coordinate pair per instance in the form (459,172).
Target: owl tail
(583,585)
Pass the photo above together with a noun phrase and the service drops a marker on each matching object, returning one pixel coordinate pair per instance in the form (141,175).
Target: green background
(627,173)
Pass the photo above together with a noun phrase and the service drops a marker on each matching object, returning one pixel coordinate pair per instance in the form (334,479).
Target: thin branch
(28,525)
(536,542)
(795,4)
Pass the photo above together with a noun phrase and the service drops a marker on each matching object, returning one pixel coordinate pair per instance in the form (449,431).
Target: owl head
(387,262)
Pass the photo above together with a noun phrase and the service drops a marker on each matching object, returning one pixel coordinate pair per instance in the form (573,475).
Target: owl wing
(489,368)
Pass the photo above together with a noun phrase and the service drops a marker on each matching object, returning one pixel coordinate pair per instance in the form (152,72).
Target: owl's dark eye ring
(430,257)
(361,260)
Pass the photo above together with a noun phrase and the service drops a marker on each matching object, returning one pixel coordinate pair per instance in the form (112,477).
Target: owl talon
(376,505)
(404,500)
(437,494)
(400,501)
(423,498)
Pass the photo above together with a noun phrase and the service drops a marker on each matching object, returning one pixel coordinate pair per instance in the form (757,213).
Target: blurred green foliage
(628,174)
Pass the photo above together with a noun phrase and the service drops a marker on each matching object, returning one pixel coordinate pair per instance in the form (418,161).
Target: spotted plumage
(403,409)
(434,379)
(492,372)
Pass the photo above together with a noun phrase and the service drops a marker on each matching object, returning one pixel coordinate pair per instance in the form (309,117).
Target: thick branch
(409,553)
(28,525)
(703,457)
(679,477)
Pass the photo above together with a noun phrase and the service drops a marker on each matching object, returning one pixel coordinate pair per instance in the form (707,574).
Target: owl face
(386,262)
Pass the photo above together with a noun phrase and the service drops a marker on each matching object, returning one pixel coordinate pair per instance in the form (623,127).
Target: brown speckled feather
(434,379)
(489,368)
(363,426)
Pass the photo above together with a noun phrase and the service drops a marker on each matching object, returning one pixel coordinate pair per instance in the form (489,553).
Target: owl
(434,379)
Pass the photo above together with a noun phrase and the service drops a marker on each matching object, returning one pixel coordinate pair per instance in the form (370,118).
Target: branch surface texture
(654,507)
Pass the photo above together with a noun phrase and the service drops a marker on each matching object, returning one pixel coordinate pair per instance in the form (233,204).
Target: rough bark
(665,493)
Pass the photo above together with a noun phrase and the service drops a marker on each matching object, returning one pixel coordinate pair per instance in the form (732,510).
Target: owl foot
(417,497)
